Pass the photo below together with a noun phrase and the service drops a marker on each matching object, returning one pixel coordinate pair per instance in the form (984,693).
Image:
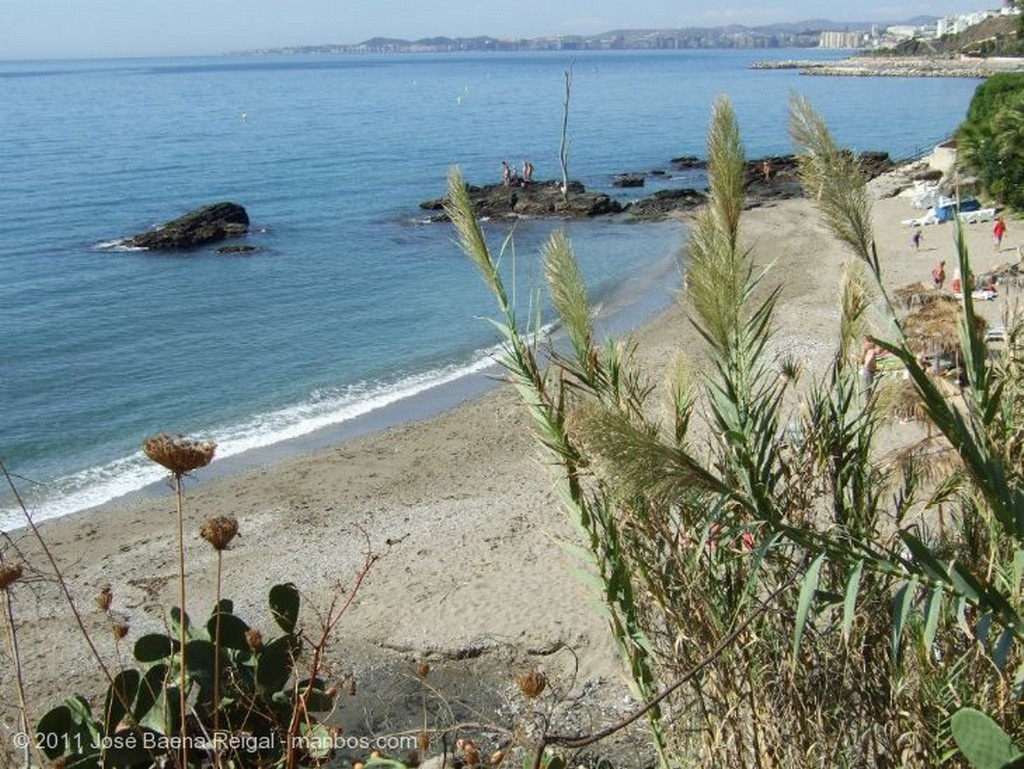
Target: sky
(43,29)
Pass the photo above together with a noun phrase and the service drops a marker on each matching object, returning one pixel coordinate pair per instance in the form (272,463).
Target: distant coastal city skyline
(123,28)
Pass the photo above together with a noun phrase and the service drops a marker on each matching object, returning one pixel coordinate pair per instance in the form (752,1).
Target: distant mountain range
(803,34)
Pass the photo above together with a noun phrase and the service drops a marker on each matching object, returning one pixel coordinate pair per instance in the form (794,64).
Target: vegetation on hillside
(991,140)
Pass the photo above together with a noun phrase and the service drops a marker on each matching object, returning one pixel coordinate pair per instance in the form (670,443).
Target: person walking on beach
(998,230)
(916,240)
(939,274)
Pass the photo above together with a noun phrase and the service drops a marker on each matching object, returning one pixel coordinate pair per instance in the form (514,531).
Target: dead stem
(19,681)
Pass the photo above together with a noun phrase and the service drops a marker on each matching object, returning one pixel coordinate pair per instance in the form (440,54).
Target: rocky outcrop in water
(545,199)
(539,199)
(666,202)
(628,180)
(208,224)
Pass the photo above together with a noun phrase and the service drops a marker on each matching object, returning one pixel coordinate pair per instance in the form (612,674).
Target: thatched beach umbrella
(905,400)
(934,328)
(917,294)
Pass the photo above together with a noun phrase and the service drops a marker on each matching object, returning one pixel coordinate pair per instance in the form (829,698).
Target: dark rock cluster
(766,179)
(536,199)
(665,202)
(209,224)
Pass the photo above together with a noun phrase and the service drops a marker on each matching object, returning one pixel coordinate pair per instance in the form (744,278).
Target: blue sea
(355,306)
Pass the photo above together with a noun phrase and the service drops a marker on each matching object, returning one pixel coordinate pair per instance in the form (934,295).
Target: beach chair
(929,218)
(979,295)
(978,215)
(995,334)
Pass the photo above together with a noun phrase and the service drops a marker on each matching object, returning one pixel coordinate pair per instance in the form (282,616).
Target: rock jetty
(209,224)
(900,66)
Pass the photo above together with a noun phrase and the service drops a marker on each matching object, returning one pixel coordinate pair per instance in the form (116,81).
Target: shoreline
(471,532)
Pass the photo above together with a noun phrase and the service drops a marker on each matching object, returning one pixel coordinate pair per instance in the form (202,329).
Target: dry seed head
(423,669)
(120,630)
(350,686)
(497,757)
(469,752)
(219,531)
(105,598)
(254,638)
(423,741)
(177,453)
(531,682)
(9,574)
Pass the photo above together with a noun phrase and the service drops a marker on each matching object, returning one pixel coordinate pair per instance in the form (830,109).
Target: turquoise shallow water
(353,302)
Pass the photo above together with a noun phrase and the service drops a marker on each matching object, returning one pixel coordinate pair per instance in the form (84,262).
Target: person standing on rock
(506,173)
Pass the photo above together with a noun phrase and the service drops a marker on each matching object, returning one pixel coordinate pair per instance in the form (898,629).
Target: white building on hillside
(954,25)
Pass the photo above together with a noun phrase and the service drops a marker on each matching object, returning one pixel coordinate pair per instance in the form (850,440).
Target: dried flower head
(350,686)
(9,574)
(105,598)
(531,682)
(177,453)
(120,630)
(423,668)
(497,757)
(470,754)
(219,531)
(423,741)
(254,638)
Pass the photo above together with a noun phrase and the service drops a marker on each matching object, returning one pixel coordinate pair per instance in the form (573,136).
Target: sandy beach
(461,509)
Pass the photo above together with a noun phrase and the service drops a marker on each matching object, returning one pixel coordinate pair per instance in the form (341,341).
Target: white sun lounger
(979,295)
(981,215)
(929,218)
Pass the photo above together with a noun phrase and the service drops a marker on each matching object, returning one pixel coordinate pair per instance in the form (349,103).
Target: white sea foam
(121,244)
